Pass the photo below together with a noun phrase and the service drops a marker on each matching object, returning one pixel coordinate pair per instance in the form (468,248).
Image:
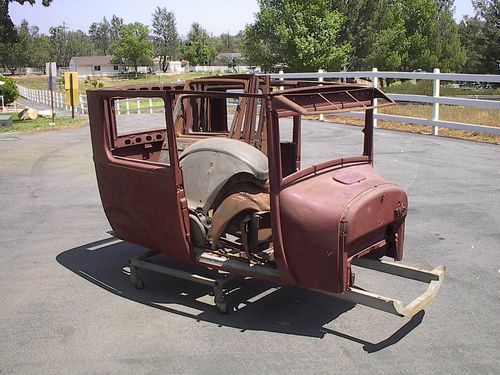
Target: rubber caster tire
(139,284)
(223,308)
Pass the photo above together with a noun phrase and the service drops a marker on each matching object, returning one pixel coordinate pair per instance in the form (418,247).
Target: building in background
(95,66)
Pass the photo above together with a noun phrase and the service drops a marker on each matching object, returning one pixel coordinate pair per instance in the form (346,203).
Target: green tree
(134,47)
(165,36)
(472,40)
(16,54)
(401,35)
(67,44)
(361,17)
(29,48)
(199,48)
(481,36)
(227,43)
(100,33)
(8,32)
(445,5)
(301,35)
(407,36)
(116,27)
(451,53)
(41,50)
(388,43)
(9,89)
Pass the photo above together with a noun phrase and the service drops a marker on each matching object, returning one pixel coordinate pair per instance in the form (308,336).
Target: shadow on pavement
(259,305)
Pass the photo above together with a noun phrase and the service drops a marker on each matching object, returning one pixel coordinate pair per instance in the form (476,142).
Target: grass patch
(469,115)
(424,87)
(43,124)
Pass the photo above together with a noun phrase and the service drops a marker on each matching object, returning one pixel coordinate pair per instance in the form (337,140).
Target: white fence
(44,97)
(218,69)
(146,105)
(435,99)
(138,106)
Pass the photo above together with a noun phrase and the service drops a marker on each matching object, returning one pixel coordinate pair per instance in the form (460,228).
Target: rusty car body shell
(303,227)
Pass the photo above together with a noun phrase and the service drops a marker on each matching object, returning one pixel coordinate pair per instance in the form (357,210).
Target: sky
(217,16)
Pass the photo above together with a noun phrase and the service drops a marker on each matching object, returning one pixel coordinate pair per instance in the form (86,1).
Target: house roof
(93,60)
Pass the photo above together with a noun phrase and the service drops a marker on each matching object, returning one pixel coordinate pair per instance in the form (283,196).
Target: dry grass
(469,115)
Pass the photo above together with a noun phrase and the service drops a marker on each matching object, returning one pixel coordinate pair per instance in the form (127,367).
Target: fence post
(281,78)
(320,80)
(81,104)
(435,106)
(127,106)
(139,106)
(375,101)
(150,105)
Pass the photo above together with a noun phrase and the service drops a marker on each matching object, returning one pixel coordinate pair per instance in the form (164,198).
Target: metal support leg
(144,262)
(220,298)
(134,276)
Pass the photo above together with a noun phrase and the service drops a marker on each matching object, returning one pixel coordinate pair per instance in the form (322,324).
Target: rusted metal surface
(303,226)
(231,207)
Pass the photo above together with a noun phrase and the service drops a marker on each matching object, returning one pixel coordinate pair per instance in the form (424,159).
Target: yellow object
(71,79)
(76,97)
(68,77)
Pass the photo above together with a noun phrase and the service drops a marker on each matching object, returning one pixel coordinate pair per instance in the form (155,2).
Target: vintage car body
(221,189)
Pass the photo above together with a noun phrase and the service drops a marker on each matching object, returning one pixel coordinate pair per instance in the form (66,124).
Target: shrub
(8,90)
(94,83)
(410,87)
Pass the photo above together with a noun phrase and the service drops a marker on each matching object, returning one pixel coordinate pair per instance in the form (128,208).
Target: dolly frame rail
(144,262)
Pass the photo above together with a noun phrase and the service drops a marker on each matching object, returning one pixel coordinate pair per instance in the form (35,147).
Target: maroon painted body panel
(141,218)
(140,199)
(314,220)
(326,222)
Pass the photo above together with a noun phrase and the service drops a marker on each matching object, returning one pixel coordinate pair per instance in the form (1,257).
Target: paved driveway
(66,307)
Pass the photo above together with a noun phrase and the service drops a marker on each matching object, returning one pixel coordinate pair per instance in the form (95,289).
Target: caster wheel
(223,308)
(139,284)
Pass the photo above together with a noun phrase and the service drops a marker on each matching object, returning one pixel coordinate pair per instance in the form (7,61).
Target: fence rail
(44,97)
(145,105)
(436,99)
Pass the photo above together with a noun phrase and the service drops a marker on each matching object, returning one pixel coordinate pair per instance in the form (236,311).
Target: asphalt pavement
(67,307)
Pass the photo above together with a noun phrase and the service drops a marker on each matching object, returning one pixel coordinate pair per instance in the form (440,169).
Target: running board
(390,305)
